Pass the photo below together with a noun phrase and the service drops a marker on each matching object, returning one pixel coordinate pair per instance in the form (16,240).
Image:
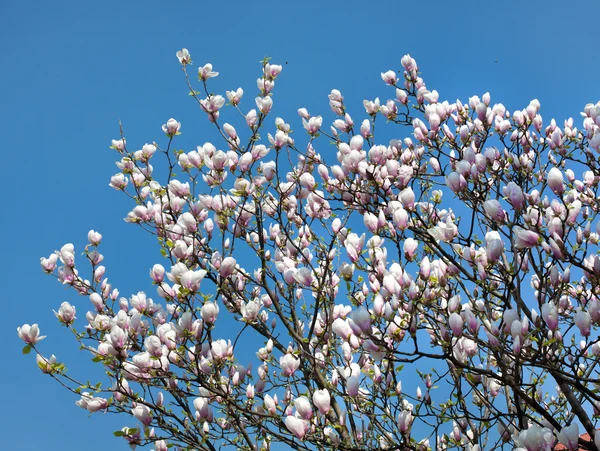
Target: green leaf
(26,349)
(118,433)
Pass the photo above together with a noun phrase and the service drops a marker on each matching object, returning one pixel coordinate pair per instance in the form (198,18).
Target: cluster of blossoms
(461,260)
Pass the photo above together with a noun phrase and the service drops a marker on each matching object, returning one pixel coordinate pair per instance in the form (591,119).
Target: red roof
(585,437)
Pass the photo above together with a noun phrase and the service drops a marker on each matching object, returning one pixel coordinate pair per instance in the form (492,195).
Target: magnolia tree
(303,285)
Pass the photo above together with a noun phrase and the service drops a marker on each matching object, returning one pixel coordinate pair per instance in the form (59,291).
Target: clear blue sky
(71,70)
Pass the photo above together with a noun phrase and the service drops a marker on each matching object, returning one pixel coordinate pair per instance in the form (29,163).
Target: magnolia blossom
(235,96)
(338,265)
(30,334)
(410,247)
(569,436)
(91,403)
(322,400)
(303,408)
(297,426)
(535,438)
(184,56)
(456,324)
(171,128)
(494,245)
(556,181)
(66,313)
(352,386)
(525,239)
(94,238)
(289,364)
(515,195)
(405,421)
(264,104)
(46,365)
(313,125)
(142,413)
(583,321)
(205,72)
(209,312)
(493,209)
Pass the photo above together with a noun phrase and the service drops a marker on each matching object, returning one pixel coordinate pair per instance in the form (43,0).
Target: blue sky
(72,70)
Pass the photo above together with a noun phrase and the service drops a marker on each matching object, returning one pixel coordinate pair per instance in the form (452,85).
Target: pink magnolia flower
(322,400)
(139,302)
(535,438)
(372,108)
(371,222)
(184,56)
(341,328)
(209,312)
(157,273)
(45,364)
(515,195)
(407,198)
(221,349)
(410,247)
(49,264)
(308,181)
(153,345)
(444,230)
(303,113)
(313,125)
(401,218)
(456,324)
(272,70)
(202,406)
(216,161)
(303,407)
(250,311)
(494,245)
(304,276)
(30,334)
(94,238)
(172,127)
(569,436)
(227,266)
(362,319)
(212,104)
(205,72)
(408,63)
(118,181)
(389,77)
(352,386)
(190,280)
(142,413)
(270,404)
(297,426)
(583,321)
(365,128)
(354,244)
(235,96)
(66,313)
(289,364)
(92,404)
(264,104)
(525,239)
(405,421)
(494,210)
(118,337)
(251,118)
(550,315)
(456,182)
(556,181)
